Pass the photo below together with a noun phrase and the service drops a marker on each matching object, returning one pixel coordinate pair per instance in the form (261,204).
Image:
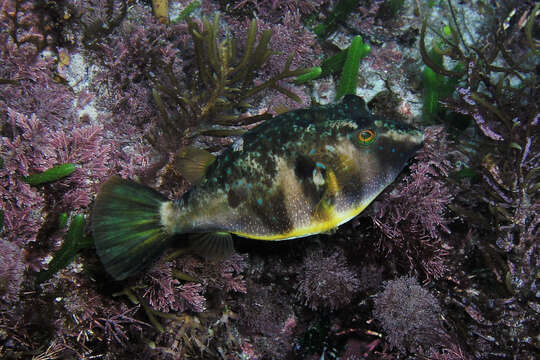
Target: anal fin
(217,245)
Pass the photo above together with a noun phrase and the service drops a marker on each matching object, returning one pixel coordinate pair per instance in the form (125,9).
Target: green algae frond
(186,13)
(349,76)
(346,61)
(74,242)
(436,87)
(53,174)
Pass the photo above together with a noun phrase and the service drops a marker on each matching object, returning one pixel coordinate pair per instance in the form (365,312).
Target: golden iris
(366,136)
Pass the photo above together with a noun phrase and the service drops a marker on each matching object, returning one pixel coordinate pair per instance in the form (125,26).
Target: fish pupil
(366,136)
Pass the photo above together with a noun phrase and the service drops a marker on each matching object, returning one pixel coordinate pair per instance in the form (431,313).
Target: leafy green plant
(334,64)
(62,220)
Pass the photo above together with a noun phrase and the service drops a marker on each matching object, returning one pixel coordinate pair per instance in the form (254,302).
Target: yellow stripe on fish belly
(316,227)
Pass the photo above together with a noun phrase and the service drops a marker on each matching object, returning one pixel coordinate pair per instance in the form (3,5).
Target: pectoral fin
(192,162)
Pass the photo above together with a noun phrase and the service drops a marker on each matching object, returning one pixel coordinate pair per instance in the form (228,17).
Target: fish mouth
(414,139)
(398,143)
(417,136)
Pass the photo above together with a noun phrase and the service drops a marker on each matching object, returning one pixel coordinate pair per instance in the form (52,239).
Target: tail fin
(127,228)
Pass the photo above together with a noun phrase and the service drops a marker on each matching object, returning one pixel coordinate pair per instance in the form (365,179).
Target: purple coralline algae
(326,281)
(413,217)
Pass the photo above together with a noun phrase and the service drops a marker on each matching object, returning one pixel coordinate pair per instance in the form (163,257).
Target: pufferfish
(301,173)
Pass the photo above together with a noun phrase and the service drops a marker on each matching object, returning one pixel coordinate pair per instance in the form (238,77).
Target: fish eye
(366,136)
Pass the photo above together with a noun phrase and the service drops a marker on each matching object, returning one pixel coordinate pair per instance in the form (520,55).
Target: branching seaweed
(100,19)
(481,62)
(223,83)
(500,91)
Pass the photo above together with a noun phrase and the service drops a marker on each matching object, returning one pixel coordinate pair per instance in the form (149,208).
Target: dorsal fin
(193,162)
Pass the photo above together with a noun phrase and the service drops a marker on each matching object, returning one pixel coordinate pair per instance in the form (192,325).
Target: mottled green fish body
(298,174)
(301,173)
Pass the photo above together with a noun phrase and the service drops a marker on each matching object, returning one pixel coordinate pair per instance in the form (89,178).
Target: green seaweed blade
(53,174)
(349,76)
(74,242)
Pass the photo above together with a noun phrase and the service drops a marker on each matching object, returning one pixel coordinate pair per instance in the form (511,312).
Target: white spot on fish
(238,145)
(330,148)
(318,178)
